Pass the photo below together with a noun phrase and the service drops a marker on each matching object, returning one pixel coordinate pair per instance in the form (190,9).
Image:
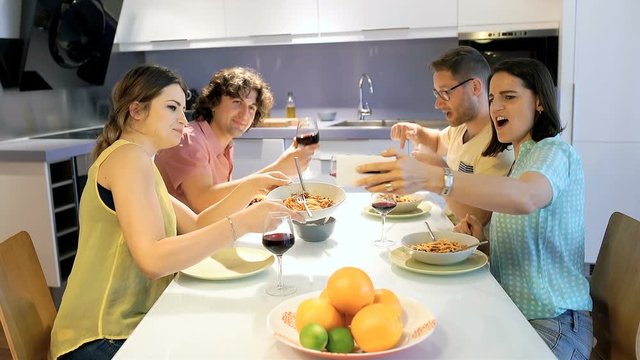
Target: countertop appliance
(69,43)
(496,46)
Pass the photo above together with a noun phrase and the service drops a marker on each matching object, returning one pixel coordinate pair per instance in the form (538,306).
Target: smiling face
(513,108)
(461,107)
(233,116)
(163,119)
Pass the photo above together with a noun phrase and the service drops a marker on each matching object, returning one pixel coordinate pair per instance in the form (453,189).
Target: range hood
(63,44)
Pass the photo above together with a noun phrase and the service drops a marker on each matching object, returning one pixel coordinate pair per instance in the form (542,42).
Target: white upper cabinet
(9,19)
(474,15)
(358,15)
(144,21)
(273,17)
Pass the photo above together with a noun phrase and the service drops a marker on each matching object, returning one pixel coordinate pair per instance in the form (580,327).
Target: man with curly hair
(198,171)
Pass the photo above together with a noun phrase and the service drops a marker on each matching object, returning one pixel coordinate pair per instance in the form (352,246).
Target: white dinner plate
(419,323)
(422,209)
(231,263)
(401,258)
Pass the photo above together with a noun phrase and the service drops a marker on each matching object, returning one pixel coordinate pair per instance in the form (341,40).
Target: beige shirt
(467,157)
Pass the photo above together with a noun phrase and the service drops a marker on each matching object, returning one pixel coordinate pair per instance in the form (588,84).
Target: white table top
(228,319)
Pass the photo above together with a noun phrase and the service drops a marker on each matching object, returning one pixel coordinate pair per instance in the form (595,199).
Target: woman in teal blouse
(537,228)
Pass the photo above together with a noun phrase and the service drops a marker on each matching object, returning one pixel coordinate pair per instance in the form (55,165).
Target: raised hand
(470,225)
(404,131)
(285,162)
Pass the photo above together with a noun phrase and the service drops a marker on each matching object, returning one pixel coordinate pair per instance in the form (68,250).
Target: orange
(376,327)
(319,311)
(350,289)
(323,294)
(386,296)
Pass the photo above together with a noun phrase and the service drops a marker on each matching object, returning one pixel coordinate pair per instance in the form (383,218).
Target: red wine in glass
(278,243)
(383,203)
(384,206)
(308,139)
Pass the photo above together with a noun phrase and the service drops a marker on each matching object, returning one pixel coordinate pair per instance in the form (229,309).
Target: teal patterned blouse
(538,258)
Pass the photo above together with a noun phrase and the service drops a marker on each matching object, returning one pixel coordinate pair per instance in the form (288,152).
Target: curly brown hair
(236,82)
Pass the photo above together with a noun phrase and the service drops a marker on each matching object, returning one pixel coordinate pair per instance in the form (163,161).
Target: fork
(300,197)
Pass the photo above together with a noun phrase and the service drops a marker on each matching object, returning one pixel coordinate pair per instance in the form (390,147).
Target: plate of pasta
(406,204)
(445,250)
(401,258)
(322,198)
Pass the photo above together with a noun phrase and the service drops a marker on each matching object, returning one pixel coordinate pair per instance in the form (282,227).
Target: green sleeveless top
(107,295)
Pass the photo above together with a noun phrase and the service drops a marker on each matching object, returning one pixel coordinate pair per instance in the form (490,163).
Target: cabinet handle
(380,29)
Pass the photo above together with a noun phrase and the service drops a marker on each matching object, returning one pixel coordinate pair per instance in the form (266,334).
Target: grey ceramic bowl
(316,230)
(327,115)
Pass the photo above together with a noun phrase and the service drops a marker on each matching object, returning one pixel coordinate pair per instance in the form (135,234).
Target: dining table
(197,318)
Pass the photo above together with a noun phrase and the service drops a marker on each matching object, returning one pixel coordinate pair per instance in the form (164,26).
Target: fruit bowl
(419,324)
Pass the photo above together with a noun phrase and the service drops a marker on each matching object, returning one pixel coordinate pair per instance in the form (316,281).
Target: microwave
(496,46)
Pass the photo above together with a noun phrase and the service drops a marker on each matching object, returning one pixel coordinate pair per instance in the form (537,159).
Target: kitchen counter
(43,150)
(58,146)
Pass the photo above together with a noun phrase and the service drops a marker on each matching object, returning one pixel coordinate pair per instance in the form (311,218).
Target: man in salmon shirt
(198,171)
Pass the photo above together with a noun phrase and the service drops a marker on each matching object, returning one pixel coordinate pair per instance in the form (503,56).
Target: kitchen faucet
(364,110)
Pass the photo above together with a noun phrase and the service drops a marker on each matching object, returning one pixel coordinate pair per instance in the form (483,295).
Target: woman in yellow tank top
(133,235)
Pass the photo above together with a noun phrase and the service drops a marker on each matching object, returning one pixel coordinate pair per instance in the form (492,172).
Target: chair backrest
(27,310)
(615,289)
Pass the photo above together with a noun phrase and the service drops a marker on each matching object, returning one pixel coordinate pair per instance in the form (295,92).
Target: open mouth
(501,121)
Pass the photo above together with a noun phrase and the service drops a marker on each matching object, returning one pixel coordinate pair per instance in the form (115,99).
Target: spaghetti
(439,246)
(314,202)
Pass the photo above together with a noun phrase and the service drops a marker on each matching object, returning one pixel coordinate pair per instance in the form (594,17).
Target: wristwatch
(448,181)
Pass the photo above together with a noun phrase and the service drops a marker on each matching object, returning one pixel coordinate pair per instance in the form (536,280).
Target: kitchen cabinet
(605,122)
(367,15)
(9,19)
(496,15)
(42,199)
(251,155)
(273,17)
(147,21)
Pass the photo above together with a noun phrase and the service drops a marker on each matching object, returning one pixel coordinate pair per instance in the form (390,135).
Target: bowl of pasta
(444,251)
(407,203)
(322,198)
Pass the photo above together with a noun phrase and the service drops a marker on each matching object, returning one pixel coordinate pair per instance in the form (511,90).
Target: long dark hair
(142,84)
(535,77)
(236,82)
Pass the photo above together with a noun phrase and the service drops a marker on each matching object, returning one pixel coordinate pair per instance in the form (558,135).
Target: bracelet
(448,181)
(233,229)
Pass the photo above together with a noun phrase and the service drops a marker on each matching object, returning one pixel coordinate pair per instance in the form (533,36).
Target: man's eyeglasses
(446,94)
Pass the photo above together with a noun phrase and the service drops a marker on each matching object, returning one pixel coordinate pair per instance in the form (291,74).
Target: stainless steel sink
(389,123)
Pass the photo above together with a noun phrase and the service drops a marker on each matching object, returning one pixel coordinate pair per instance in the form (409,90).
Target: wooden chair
(615,289)
(27,310)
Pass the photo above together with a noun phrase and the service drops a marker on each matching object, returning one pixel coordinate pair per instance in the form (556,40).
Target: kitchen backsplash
(320,76)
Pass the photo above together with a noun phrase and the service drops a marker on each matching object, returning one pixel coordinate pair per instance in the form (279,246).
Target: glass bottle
(291,106)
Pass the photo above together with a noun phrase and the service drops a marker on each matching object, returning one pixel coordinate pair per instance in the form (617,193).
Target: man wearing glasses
(460,88)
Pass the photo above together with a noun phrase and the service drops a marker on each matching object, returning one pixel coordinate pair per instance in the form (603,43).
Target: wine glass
(333,170)
(278,237)
(383,203)
(307,131)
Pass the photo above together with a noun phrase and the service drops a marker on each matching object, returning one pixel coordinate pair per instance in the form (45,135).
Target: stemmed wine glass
(278,237)
(383,203)
(307,131)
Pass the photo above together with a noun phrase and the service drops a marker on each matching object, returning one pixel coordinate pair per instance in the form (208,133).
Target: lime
(340,340)
(313,336)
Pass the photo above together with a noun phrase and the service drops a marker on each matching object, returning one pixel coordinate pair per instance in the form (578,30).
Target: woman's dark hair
(235,82)
(535,77)
(142,84)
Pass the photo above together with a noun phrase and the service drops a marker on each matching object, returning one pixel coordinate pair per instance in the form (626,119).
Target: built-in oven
(496,46)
